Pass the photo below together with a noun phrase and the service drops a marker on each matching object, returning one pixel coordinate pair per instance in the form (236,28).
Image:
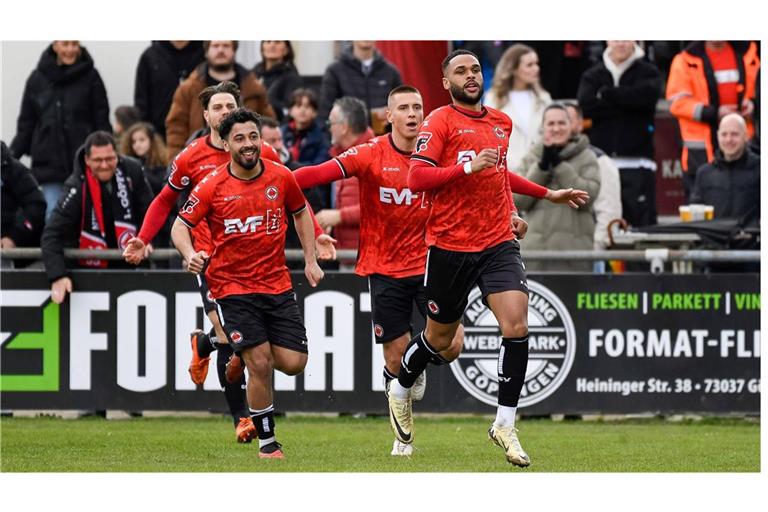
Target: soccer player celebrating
(245,203)
(460,161)
(189,167)
(392,251)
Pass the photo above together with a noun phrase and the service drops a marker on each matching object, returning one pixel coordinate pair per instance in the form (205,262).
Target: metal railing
(656,257)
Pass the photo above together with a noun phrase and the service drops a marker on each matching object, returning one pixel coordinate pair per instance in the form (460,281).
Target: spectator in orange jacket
(707,81)
(186,114)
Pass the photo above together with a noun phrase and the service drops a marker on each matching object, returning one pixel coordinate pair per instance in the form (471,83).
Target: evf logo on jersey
(238,226)
(422,140)
(552,348)
(393,196)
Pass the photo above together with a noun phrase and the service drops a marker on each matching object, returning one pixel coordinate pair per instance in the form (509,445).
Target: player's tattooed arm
(183,242)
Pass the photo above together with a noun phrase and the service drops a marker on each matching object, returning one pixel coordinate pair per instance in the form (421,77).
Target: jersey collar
(470,113)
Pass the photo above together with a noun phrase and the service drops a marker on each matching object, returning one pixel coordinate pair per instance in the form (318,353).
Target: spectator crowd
(583,114)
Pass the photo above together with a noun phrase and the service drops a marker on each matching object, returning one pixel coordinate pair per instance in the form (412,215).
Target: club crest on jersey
(236,336)
(378,330)
(499,132)
(192,201)
(552,348)
(422,140)
(433,308)
(271,192)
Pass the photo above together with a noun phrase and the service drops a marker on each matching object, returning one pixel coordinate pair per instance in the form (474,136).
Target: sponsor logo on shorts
(271,192)
(552,348)
(378,330)
(236,336)
(433,308)
(209,296)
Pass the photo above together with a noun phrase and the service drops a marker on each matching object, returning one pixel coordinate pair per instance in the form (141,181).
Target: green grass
(348,444)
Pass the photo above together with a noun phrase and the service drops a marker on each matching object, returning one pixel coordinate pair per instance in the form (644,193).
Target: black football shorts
(392,301)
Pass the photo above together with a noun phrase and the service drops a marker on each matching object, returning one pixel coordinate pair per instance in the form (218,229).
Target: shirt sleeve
(321,174)
(424,172)
(356,159)
(295,201)
(178,176)
(198,204)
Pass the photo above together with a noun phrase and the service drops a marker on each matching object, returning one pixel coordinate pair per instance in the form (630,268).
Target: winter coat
(345,78)
(160,71)
(554,226)
(623,116)
(61,106)
(520,142)
(64,225)
(607,204)
(280,80)
(733,188)
(694,99)
(186,114)
(23,203)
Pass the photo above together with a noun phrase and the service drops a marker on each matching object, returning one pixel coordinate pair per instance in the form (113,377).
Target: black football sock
(417,354)
(388,376)
(264,420)
(234,393)
(204,345)
(513,361)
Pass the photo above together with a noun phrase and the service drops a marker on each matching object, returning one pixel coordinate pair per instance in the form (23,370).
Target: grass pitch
(348,444)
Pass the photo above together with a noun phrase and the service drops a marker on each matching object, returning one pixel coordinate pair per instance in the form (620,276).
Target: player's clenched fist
(196,262)
(486,158)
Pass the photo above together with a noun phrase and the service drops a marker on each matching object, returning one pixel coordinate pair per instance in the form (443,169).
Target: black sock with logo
(264,421)
(417,355)
(234,393)
(513,362)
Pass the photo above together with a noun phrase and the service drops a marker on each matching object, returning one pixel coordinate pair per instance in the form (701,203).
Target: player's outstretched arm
(322,174)
(183,242)
(570,196)
(139,247)
(306,234)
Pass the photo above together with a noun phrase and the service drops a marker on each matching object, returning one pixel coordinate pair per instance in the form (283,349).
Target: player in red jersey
(189,167)
(460,161)
(245,203)
(392,253)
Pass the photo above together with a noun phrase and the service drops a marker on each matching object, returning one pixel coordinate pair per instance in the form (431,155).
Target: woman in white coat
(517,92)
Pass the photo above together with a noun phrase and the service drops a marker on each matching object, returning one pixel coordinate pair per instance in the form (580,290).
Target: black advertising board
(610,344)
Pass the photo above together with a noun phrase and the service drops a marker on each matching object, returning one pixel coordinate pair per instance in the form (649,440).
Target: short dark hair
(99,138)
(269,122)
(354,113)
(127,116)
(298,97)
(225,87)
(240,115)
(206,44)
(455,53)
(555,105)
(400,89)
(575,106)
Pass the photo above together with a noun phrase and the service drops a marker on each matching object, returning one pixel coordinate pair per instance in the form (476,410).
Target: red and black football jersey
(470,213)
(247,219)
(392,218)
(192,164)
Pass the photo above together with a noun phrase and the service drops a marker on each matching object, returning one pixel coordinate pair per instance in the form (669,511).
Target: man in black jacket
(105,200)
(362,73)
(23,204)
(64,100)
(162,67)
(731,182)
(619,95)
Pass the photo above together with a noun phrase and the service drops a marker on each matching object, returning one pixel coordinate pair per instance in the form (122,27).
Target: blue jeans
(52,193)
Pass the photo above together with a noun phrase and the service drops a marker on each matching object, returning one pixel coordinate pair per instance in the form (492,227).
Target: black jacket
(281,80)
(161,69)
(345,78)
(61,106)
(63,226)
(733,188)
(622,117)
(23,203)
